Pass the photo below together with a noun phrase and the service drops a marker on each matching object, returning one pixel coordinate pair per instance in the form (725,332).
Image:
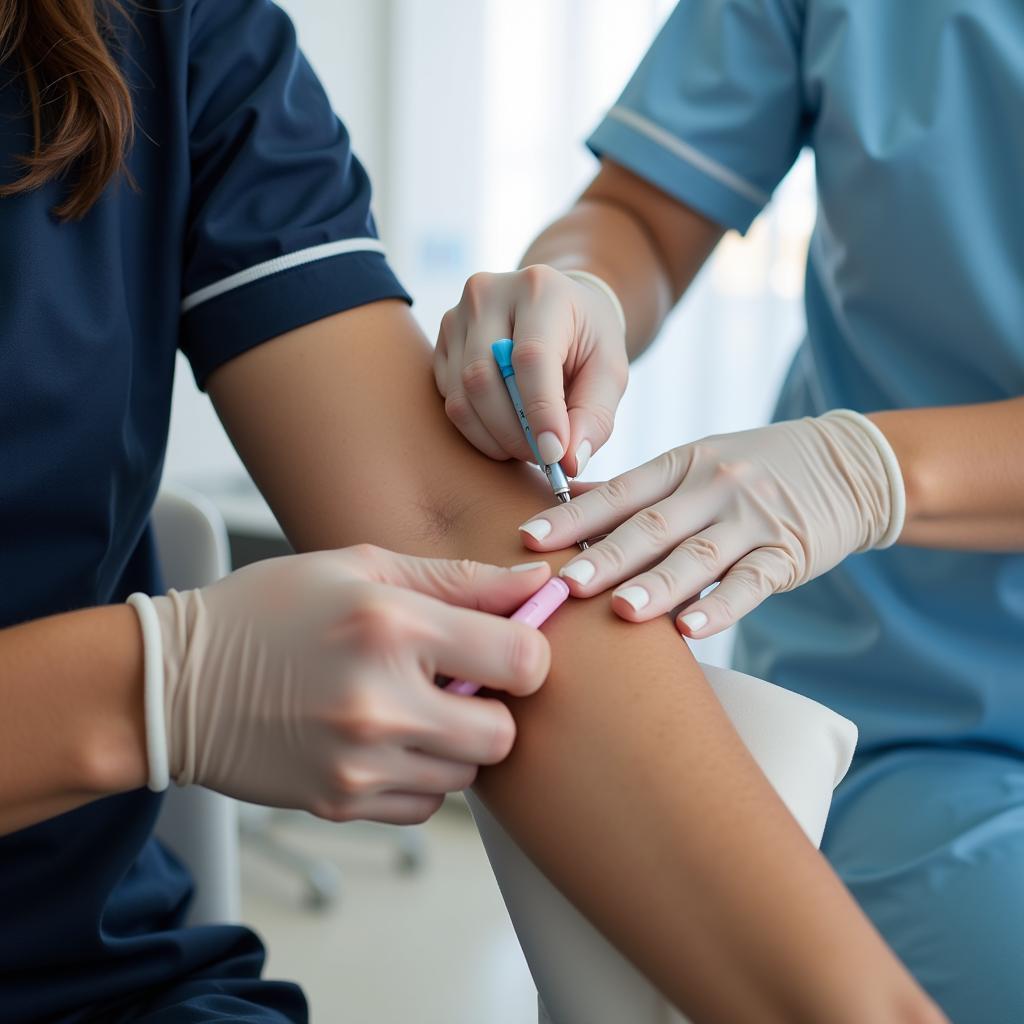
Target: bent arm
(71,728)
(961,464)
(627,785)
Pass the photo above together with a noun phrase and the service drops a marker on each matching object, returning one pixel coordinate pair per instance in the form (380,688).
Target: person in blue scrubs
(242,216)
(915,315)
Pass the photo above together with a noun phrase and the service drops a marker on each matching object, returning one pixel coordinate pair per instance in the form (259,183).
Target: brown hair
(81,107)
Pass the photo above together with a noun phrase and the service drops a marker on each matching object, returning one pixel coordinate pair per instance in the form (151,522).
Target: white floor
(432,947)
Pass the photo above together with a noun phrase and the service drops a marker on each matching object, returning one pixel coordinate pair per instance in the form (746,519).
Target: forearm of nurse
(72,723)
(963,469)
(647,246)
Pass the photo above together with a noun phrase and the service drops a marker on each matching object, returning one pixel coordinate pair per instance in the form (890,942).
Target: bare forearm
(72,726)
(963,467)
(644,244)
(626,730)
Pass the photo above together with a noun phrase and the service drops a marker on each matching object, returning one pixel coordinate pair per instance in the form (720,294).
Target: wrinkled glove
(309,681)
(760,512)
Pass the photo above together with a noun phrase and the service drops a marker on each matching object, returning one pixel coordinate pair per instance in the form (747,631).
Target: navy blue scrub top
(251,217)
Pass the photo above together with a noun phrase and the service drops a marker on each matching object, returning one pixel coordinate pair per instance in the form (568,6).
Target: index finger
(541,336)
(602,508)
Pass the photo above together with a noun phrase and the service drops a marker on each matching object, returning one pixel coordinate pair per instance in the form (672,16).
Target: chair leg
(320,878)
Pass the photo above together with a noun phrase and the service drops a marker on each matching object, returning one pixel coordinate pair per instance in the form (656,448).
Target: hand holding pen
(502,351)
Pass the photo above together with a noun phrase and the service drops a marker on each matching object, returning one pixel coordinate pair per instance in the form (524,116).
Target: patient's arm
(627,786)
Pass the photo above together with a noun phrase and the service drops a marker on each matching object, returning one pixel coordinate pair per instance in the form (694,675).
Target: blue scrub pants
(930,841)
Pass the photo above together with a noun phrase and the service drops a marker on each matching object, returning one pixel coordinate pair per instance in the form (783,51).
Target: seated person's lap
(931,843)
(228,991)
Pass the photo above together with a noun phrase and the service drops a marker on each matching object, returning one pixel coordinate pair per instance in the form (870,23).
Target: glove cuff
(585,277)
(893,473)
(153,669)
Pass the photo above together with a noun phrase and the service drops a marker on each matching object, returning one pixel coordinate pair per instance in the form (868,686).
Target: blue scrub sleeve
(280,231)
(714,114)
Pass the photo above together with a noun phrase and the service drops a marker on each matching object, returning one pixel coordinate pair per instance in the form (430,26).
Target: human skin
(627,785)
(960,464)
(625,730)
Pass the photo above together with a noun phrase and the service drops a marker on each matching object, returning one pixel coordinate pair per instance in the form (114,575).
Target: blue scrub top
(914,294)
(250,217)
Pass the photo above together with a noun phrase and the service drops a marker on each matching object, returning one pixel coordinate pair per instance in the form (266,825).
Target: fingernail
(635,597)
(583,454)
(538,529)
(694,621)
(526,566)
(550,448)
(582,571)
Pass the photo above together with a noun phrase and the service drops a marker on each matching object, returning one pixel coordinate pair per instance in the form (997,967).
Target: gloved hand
(762,511)
(569,356)
(309,681)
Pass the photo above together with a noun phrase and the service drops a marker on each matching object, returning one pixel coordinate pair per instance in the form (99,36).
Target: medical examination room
(512,511)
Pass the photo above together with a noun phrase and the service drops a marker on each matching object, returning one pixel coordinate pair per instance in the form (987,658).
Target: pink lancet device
(534,612)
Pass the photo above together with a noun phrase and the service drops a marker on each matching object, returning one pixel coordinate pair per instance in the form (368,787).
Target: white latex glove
(762,511)
(569,355)
(309,681)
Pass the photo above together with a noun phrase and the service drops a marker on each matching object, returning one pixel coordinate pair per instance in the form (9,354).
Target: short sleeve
(280,231)
(713,115)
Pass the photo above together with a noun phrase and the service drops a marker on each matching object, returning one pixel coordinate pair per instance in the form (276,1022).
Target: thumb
(592,399)
(487,588)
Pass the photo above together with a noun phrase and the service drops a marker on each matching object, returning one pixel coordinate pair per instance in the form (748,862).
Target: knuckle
(361,717)
(540,406)
(524,654)
(615,493)
(676,462)
(502,737)
(448,324)
(665,579)
(366,554)
(653,525)
(351,781)
(604,418)
(376,625)
(478,288)
(529,353)
(477,376)
(705,552)
(571,514)
(610,552)
(539,276)
(733,471)
(458,408)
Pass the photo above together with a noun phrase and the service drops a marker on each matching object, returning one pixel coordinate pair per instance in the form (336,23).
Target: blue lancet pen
(502,351)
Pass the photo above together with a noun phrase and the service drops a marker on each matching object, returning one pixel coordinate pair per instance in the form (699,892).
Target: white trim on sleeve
(712,168)
(279,264)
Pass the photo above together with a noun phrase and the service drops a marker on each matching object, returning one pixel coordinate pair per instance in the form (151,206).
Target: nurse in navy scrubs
(240,194)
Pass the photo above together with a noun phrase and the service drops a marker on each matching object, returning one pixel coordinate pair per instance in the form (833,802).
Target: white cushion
(802,747)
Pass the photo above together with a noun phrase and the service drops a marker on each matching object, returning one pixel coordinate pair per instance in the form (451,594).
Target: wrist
(599,284)
(885,474)
(108,738)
